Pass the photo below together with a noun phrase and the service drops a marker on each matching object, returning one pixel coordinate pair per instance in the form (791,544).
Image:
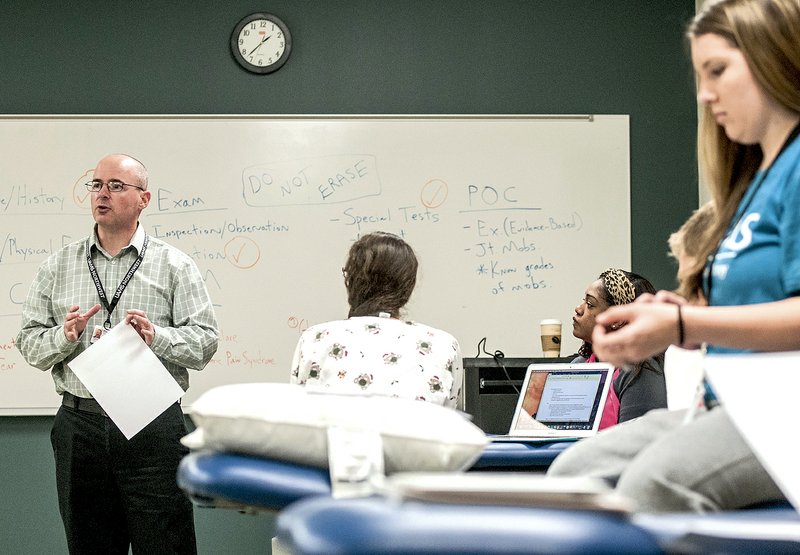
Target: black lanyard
(753,189)
(122,285)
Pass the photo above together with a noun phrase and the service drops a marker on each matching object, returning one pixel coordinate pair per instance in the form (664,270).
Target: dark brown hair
(380,274)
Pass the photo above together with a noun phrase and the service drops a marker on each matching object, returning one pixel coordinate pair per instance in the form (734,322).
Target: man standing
(113,492)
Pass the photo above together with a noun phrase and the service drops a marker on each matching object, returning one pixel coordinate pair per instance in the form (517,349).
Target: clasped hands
(75,323)
(650,327)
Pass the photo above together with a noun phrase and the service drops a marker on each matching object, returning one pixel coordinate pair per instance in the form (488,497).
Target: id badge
(99,331)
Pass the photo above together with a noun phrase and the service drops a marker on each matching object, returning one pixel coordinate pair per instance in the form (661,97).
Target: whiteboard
(511,218)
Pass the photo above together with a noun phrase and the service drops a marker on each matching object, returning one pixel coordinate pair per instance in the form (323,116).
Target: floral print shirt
(380,356)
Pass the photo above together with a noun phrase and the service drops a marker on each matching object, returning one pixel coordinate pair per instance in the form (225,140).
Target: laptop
(560,401)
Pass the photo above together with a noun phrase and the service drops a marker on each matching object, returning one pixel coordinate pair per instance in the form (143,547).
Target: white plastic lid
(550,321)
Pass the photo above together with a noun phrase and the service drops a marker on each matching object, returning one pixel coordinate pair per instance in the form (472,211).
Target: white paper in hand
(683,372)
(759,391)
(127,379)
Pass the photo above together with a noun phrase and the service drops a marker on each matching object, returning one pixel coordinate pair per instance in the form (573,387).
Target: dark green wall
(29,519)
(351,57)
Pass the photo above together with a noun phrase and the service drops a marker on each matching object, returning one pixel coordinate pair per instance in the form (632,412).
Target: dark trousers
(114,492)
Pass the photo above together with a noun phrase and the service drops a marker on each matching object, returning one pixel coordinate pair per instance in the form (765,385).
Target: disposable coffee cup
(551,338)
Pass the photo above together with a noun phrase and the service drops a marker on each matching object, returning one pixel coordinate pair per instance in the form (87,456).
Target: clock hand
(259,44)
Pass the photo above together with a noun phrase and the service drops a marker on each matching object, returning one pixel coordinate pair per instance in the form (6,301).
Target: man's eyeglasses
(114,186)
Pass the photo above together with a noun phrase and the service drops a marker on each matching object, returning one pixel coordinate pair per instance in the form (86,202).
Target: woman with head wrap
(641,387)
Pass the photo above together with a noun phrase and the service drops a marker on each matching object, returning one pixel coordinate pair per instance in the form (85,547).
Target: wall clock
(261,43)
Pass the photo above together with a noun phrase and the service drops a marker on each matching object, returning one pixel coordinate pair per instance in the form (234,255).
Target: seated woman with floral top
(374,351)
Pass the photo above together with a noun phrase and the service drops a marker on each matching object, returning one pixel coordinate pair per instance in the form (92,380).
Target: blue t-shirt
(759,258)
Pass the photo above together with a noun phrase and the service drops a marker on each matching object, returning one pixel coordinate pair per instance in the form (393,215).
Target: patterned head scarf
(619,287)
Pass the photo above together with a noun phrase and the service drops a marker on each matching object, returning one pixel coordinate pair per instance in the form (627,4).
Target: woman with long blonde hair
(746,55)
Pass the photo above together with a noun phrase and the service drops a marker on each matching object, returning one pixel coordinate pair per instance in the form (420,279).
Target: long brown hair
(380,274)
(766,32)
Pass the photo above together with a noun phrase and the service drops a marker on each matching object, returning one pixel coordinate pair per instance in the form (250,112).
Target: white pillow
(288,422)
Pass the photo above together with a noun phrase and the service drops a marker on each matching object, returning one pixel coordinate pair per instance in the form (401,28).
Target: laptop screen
(563,397)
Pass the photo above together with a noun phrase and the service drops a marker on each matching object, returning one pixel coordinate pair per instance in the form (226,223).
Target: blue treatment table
(377,525)
(523,456)
(247,482)
(244,482)
(312,522)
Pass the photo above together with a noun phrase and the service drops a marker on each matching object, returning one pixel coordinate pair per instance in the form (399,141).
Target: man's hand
(143,326)
(75,322)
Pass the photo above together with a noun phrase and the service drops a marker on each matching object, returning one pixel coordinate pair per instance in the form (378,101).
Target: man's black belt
(82,404)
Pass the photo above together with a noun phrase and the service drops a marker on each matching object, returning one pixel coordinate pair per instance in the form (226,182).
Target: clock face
(261,43)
